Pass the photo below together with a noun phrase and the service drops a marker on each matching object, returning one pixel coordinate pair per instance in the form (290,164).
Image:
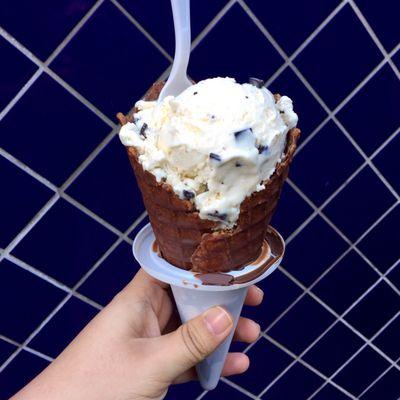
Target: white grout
(142,29)
(288,62)
(212,24)
(38,273)
(239,388)
(70,294)
(377,380)
(374,37)
(298,359)
(356,353)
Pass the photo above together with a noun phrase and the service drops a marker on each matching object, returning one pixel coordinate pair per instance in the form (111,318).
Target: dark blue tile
(6,349)
(113,274)
(388,340)
(340,56)
(313,251)
(16,69)
(351,277)
(266,362)
(137,229)
(298,383)
(21,371)
(238,347)
(382,16)
(308,318)
(48,107)
(187,391)
(63,327)
(57,19)
(387,387)
(108,187)
(377,308)
(102,61)
(279,293)
(394,276)
(291,212)
(307,108)
(386,161)
(299,20)
(359,204)
(160,24)
(65,243)
(329,392)
(223,391)
(333,349)
(235,47)
(16,211)
(361,371)
(25,300)
(325,163)
(381,244)
(370,133)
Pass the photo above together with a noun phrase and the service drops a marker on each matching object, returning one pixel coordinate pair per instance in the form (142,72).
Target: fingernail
(259,291)
(217,320)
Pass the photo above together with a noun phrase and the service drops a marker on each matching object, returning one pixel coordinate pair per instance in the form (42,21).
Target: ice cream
(215,144)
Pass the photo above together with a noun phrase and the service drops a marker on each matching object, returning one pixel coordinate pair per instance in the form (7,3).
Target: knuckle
(195,345)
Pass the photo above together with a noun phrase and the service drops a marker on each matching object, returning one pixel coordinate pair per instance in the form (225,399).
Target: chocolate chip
(212,117)
(238,164)
(143,131)
(256,82)
(215,157)
(187,194)
(194,93)
(247,97)
(241,133)
(262,149)
(216,214)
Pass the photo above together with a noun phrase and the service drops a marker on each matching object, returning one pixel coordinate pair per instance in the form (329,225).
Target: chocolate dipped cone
(189,242)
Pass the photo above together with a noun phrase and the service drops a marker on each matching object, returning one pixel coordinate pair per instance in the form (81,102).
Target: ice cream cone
(189,242)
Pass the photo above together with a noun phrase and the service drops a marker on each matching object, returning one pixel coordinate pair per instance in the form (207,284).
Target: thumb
(193,342)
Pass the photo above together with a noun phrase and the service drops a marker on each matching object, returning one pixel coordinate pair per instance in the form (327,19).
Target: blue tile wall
(70,207)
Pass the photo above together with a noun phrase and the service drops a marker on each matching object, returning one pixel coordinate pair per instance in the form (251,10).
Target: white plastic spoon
(178,80)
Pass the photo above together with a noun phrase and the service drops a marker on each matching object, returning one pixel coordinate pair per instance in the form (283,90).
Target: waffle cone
(189,242)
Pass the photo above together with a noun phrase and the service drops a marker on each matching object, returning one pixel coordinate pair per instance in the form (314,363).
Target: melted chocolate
(277,248)
(215,278)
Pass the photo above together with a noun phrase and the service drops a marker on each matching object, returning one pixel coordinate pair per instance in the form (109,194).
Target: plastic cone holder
(192,297)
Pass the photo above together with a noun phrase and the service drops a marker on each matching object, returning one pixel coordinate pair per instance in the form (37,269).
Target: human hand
(134,349)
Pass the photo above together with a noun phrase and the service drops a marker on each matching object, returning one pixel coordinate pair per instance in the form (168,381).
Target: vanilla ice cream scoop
(215,143)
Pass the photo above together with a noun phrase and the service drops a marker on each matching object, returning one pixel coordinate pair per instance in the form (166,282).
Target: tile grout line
(308,40)
(56,77)
(210,26)
(28,349)
(239,388)
(339,317)
(282,53)
(57,191)
(69,295)
(338,190)
(140,27)
(298,359)
(330,327)
(307,291)
(374,36)
(332,376)
(21,93)
(376,380)
(52,56)
(52,281)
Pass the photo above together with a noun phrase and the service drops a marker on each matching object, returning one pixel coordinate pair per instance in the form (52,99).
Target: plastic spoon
(178,80)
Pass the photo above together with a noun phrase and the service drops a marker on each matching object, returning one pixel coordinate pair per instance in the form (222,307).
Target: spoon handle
(181,13)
